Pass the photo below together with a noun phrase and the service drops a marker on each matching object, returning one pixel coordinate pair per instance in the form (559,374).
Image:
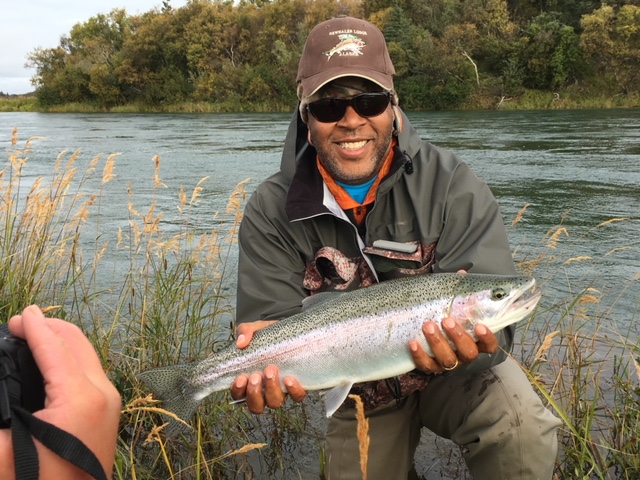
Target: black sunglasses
(329,110)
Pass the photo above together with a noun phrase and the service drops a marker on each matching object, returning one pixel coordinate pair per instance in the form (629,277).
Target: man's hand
(80,399)
(262,389)
(445,357)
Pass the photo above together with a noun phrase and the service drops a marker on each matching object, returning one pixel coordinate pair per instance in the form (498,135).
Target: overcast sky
(28,24)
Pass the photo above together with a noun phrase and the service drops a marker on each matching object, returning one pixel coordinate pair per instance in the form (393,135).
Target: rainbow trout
(341,339)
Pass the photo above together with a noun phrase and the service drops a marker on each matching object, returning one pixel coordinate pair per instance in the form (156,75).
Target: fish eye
(499,294)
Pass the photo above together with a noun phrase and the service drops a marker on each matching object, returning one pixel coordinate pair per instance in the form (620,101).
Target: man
(354,173)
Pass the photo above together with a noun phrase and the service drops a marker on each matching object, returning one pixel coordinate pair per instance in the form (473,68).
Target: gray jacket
(430,199)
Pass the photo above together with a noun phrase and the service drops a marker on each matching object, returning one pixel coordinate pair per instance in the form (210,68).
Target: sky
(28,24)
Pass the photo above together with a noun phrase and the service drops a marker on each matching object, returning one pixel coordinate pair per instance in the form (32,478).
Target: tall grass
(21,103)
(167,303)
(31,104)
(585,366)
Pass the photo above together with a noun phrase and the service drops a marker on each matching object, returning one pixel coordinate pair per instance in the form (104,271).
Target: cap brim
(314,83)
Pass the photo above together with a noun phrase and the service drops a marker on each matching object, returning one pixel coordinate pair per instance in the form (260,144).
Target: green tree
(569,12)
(399,27)
(49,65)
(550,54)
(217,37)
(83,67)
(278,44)
(436,15)
(611,41)
(496,33)
(320,10)
(94,49)
(439,76)
(432,15)
(154,67)
(248,50)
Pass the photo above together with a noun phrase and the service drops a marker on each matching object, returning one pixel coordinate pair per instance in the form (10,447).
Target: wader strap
(393,384)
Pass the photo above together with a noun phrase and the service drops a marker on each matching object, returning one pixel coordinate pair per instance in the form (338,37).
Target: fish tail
(169,384)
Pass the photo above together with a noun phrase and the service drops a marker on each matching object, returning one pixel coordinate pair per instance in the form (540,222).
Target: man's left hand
(445,357)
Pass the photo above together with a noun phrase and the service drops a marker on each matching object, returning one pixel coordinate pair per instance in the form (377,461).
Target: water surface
(576,169)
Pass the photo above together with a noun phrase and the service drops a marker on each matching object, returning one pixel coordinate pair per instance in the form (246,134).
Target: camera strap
(25,427)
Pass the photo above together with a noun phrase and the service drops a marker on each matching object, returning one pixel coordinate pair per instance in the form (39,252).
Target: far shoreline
(528,100)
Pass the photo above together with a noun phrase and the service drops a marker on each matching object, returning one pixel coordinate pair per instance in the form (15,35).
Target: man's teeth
(352,145)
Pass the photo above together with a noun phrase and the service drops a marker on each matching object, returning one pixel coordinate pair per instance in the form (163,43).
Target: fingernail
(413,346)
(255,379)
(288,382)
(240,340)
(481,329)
(449,323)
(269,374)
(431,328)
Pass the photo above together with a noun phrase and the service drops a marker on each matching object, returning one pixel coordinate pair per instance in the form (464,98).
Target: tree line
(246,54)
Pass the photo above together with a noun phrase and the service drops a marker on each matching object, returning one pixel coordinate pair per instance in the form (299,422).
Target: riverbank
(571,98)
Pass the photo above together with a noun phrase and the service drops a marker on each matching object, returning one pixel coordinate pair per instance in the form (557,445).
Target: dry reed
(363,435)
(520,215)
(555,237)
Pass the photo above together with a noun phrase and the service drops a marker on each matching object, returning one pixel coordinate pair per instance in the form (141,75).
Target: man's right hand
(263,389)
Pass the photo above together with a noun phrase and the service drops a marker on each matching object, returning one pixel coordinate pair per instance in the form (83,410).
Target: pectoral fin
(334,397)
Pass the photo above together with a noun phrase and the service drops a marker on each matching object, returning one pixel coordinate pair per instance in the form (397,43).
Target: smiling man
(361,198)
(354,143)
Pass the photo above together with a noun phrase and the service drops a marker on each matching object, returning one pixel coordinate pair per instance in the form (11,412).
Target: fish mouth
(523,303)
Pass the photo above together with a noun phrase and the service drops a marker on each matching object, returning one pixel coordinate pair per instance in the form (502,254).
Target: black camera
(21,383)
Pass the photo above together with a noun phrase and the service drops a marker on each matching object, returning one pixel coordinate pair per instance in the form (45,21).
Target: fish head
(494,300)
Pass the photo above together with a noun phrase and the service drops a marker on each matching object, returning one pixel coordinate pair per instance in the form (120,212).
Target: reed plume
(363,435)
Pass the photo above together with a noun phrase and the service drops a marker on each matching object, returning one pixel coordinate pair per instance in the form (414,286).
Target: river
(575,168)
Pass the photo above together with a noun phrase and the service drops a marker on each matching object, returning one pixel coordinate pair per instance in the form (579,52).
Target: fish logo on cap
(349,46)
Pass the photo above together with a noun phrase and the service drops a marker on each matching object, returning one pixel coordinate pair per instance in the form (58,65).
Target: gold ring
(455,365)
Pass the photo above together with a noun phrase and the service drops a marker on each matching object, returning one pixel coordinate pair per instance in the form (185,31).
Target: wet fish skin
(342,339)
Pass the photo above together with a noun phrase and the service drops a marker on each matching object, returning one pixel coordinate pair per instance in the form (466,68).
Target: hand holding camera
(79,398)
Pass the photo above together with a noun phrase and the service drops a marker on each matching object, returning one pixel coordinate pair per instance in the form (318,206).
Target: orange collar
(344,199)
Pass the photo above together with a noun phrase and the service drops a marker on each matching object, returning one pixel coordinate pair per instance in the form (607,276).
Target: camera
(21,383)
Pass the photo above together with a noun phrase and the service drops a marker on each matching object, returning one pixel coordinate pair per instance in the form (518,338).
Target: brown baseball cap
(343,47)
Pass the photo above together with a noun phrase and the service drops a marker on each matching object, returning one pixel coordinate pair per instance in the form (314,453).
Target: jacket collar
(309,196)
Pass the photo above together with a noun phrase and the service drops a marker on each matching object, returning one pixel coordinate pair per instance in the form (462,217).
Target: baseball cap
(342,47)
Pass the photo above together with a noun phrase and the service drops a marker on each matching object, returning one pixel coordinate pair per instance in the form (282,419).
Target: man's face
(354,148)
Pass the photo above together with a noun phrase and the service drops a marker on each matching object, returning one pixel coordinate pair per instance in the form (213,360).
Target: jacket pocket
(332,270)
(393,260)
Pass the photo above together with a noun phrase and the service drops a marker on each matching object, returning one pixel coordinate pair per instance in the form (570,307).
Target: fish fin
(169,384)
(318,299)
(334,397)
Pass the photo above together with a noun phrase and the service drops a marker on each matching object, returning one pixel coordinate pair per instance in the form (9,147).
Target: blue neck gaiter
(358,192)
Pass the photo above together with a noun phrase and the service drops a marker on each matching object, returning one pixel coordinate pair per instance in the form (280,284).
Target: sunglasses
(330,110)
